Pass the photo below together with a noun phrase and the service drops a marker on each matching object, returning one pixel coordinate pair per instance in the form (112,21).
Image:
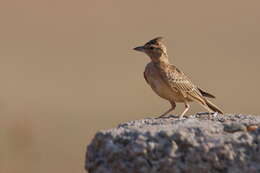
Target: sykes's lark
(169,82)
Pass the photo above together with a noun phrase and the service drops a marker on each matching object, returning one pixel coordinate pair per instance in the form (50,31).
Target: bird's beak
(139,48)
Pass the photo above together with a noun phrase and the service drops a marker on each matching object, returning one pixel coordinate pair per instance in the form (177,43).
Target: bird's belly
(163,90)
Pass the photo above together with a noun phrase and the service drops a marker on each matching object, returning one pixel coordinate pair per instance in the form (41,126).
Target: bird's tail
(213,107)
(206,94)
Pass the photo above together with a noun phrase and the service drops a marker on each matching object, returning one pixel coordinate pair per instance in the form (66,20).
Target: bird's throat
(161,61)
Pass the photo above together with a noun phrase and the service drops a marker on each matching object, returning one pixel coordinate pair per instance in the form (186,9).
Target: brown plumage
(169,82)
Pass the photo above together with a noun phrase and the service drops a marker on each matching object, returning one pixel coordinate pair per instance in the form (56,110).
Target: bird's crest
(157,40)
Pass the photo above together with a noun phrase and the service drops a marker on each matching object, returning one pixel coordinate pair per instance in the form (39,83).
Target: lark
(169,82)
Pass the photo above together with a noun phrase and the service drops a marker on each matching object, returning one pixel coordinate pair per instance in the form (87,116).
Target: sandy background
(67,69)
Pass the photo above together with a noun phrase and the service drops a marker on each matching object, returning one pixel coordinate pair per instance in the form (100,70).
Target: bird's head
(154,49)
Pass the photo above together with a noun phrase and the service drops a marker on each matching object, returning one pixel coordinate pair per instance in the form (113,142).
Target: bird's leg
(169,110)
(165,113)
(187,106)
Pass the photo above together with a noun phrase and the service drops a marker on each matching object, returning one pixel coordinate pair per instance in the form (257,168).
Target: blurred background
(67,69)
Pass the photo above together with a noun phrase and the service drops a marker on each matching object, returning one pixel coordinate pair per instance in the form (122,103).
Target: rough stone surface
(197,144)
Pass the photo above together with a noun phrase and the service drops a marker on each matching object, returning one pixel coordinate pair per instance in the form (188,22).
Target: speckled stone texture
(197,144)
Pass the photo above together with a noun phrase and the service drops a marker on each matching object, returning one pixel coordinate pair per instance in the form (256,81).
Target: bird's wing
(177,80)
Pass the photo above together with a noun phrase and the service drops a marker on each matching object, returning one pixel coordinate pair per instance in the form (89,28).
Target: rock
(197,144)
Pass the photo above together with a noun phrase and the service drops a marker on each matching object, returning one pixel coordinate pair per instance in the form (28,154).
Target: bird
(169,82)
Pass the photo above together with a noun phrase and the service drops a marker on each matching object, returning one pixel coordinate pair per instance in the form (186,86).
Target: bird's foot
(168,116)
(207,113)
(174,117)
